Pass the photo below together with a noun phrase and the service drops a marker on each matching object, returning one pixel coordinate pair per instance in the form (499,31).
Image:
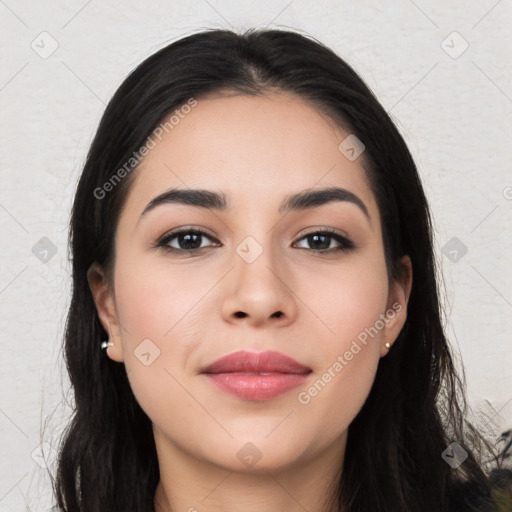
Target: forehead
(250,147)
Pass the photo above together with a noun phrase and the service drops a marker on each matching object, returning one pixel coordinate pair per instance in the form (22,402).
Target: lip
(256,375)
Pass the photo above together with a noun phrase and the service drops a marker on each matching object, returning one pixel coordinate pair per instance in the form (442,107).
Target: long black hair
(415,410)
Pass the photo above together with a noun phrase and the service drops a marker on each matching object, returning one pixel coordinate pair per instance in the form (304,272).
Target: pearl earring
(106,344)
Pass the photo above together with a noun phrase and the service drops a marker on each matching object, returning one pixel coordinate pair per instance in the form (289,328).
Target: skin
(257,150)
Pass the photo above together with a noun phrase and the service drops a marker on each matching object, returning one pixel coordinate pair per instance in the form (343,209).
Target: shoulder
(496,496)
(501,489)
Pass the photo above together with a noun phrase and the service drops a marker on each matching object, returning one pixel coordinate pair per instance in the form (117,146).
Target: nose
(260,293)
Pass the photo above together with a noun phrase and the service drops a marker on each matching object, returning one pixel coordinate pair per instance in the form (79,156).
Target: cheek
(338,393)
(155,299)
(350,303)
(158,312)
(348,300)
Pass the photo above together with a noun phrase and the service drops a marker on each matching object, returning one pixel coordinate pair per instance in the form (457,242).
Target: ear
(103,296)
(396,312)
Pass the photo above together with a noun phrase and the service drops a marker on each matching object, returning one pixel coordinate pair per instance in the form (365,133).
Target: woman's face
(257,280)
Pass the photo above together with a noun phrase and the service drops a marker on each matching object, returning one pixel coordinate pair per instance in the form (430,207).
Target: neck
(192,485)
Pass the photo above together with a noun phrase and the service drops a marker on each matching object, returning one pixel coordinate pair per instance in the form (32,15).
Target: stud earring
(388,346)
(106,344)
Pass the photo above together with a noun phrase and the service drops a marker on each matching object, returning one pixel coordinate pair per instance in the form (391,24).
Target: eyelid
(320,229)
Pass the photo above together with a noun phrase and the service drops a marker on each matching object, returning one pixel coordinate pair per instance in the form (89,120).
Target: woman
(255,321)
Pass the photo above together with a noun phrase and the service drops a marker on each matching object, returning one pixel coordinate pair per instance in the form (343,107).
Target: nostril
(241,314)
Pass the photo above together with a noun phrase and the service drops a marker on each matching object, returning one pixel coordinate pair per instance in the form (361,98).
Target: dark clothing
(499,499)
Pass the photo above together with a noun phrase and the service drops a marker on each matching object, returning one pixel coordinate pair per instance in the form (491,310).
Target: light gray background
(452,106)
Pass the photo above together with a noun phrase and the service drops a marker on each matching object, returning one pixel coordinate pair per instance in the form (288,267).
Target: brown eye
(186,240)
(320,241)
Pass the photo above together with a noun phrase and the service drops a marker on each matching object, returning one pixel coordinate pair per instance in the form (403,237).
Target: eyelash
(346,244)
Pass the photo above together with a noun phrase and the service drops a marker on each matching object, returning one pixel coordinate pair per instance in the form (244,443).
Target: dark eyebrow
(194,197)
(302,200)
(311,198)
